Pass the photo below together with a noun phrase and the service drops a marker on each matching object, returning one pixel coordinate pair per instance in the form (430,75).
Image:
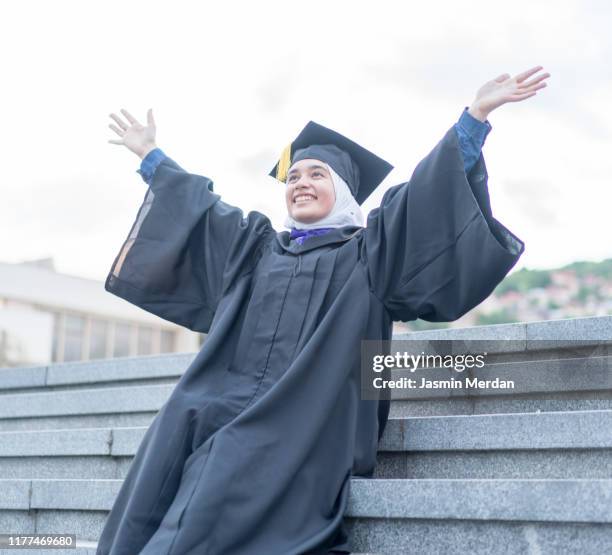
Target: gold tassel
(284,163)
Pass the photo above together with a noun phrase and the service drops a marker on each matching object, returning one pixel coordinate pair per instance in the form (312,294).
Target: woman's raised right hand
(138,138)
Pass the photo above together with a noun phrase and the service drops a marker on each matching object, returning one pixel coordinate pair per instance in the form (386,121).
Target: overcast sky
(232,83)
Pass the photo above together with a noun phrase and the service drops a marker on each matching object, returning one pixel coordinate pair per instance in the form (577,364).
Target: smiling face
(310,193)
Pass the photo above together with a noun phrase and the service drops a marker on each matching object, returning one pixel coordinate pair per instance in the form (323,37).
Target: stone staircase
(494,471)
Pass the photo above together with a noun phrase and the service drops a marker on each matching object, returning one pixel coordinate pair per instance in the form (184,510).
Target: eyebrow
(311,167)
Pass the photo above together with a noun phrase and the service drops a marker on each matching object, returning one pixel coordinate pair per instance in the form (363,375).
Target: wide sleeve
(433,248)
(185,249)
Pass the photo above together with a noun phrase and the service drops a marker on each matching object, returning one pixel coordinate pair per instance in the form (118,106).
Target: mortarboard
(362,170)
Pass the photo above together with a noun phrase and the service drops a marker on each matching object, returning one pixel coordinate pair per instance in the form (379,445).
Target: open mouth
(303,198)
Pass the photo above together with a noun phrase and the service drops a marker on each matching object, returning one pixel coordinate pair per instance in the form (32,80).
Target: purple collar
(300,235)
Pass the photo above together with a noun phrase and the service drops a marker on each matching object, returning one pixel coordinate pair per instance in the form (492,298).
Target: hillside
(578,289)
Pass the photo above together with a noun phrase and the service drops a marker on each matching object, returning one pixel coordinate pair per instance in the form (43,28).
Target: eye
(318,173)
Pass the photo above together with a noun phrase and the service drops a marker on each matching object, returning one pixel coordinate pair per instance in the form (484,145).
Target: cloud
(534,199)
(256,164)
(275,90)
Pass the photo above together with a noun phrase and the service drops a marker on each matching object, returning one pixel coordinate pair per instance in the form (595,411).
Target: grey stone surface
(77,551)
(562,429)
(501,499)
(401,408)
(31,376)
(549,402)
(97,401)
(93,467)
(87,525)
(15,494)
(593,331)
(84,525)
(571,430)
(18,521)
(126,440)
(494,482)
(96,372)
(590,330)
(442,464)
(498,338)
(163,380)
(82,495)
(528,500)
(81,550)
(119,369)
(71,441)
(391,464)
(123,466)
(539,376)
(555,463)
(445,537)
(541,402)
(95,441)
(78,421)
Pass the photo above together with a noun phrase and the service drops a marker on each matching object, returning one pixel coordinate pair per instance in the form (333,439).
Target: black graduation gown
(253,452)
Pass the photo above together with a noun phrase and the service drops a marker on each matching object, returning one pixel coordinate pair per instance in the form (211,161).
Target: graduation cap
(362,170)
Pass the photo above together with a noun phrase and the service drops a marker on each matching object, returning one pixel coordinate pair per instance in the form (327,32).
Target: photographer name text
(424,383)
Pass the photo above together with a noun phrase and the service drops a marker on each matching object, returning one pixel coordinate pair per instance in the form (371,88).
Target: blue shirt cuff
(149,164)
(476,129)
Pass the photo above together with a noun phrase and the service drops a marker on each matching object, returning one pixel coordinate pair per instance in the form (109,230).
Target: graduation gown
(253,452)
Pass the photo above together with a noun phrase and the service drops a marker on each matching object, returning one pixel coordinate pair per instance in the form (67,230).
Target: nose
(301,182)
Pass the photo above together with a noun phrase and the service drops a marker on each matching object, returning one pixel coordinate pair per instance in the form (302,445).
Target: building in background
(46,316)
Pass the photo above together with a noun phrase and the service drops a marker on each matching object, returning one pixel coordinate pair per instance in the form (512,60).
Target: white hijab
(346,210)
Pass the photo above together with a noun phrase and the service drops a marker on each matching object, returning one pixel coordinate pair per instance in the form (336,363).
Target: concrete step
(502,404)
(539,385)
(567,375)
(459,472)
(566,384)
(384,516)
(97,373)
(478,517)
(545,445)
(550,335)
(129,391)
(77,407)
(559,338)
(83,548)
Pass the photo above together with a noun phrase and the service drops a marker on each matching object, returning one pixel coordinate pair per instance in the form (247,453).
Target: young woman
(254,450)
